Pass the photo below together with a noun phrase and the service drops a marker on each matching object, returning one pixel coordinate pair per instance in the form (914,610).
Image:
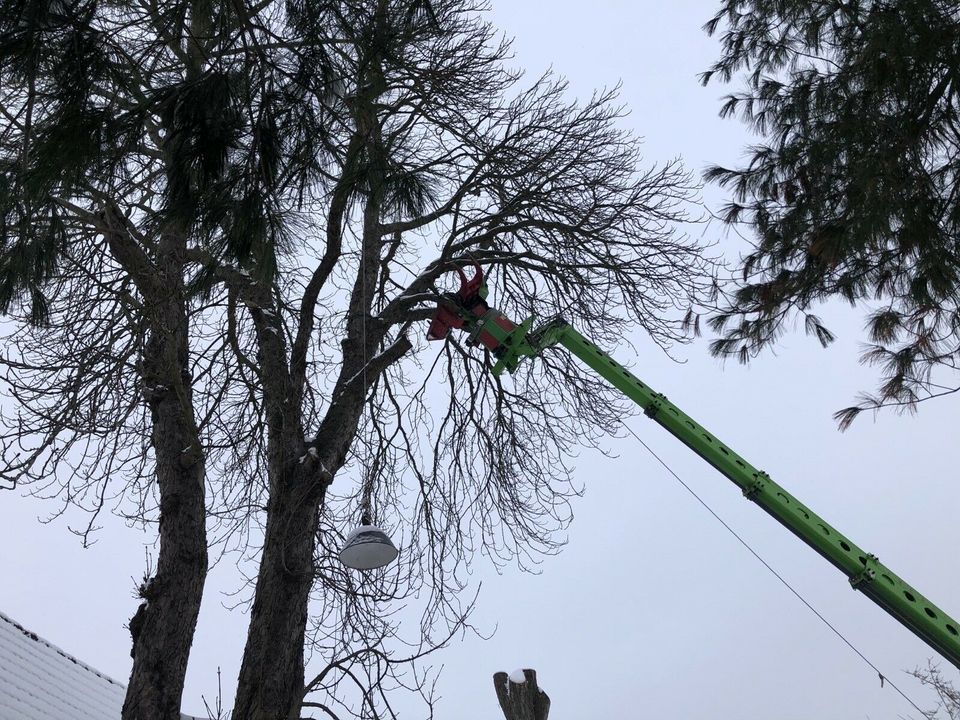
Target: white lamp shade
(367,548)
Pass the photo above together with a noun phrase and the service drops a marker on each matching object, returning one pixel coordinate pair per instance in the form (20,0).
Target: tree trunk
(521,700)
(164,625)
(271,676)
(270,685)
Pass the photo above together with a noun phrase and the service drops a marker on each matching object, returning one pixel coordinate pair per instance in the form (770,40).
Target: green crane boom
(511,343)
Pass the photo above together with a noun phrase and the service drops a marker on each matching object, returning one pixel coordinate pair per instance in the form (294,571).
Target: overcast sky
(653,609)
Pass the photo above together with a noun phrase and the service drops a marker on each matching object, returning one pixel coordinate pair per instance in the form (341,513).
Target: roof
(39,681)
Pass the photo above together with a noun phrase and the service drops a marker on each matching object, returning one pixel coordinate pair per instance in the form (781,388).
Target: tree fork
(272,673)
(271,678)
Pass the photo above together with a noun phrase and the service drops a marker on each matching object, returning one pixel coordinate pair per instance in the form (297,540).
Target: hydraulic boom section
(510,343)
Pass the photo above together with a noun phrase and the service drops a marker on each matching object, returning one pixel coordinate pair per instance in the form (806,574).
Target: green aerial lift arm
(511,343)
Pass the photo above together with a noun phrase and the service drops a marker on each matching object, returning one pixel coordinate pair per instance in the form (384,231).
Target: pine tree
(853,191)
(131,135)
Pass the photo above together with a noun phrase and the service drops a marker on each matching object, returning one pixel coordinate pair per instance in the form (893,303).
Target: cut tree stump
(521,700)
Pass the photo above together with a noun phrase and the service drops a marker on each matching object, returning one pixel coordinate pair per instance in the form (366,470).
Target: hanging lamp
(367,547)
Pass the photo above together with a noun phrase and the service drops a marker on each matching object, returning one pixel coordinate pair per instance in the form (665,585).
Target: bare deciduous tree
(948,697)
(441,157)
(279,195)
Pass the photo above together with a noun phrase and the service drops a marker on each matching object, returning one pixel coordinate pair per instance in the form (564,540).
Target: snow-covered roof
(39,681)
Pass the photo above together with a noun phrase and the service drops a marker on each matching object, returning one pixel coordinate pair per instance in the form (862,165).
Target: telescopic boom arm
(510,343)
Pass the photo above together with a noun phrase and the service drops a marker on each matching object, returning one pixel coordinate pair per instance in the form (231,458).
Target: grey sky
(652,609)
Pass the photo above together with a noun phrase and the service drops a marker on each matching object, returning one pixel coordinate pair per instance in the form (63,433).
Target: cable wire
(742,541)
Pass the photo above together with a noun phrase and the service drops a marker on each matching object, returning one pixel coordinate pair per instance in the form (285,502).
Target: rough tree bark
(164,625)
(523,700)
(275,639)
